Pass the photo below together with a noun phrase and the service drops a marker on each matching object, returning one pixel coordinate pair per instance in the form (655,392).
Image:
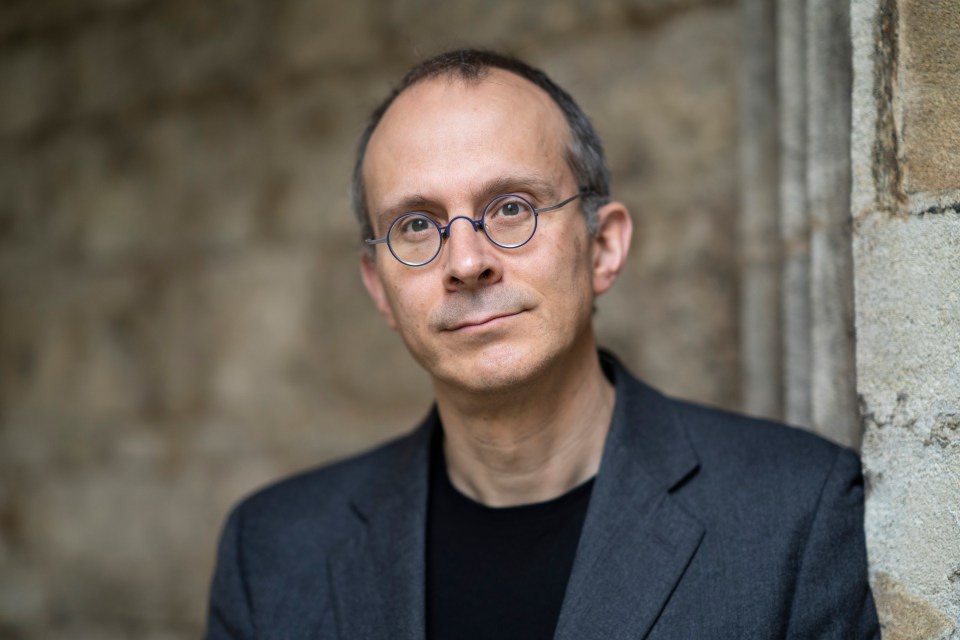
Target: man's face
(480,317)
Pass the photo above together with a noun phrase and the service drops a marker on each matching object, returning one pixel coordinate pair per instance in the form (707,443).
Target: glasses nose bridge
(476,224)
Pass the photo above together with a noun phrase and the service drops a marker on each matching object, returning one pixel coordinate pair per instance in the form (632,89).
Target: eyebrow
(542,189)
(531,183)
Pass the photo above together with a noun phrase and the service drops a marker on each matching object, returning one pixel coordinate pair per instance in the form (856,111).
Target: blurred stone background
(182,321)
(181,317)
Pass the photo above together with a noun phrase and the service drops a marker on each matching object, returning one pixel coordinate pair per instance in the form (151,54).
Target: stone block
(907,307)
(930,95)
(908,378)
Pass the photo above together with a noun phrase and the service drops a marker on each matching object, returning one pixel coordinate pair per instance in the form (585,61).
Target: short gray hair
(584,154)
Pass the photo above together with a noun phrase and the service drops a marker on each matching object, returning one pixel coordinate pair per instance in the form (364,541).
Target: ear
(374,285)
(611,244)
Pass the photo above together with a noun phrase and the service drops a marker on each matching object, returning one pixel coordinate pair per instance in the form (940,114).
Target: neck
(529,445)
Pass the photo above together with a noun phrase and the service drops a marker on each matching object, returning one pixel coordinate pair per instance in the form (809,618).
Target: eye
(415,224)
(413,228)
(508,209)
(512,208)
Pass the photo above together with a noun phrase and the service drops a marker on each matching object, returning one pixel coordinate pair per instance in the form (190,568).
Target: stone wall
(181,318)
(906,231)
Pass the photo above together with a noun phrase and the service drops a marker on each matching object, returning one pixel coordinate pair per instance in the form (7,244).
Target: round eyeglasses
(509,221)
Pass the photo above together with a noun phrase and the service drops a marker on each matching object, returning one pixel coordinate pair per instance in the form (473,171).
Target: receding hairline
(476,77)
(584,154)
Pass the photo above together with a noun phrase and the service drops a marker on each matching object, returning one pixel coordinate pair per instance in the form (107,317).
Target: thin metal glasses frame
(477,225)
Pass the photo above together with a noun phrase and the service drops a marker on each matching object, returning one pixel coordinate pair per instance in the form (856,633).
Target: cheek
(559,269)
(571,273)
(409,305)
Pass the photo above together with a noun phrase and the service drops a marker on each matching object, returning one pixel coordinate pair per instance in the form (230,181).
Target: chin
(494,368)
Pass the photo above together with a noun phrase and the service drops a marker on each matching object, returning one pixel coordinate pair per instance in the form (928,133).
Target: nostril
(486,275)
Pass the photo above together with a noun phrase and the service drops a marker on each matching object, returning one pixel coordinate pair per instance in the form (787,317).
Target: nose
(470,260)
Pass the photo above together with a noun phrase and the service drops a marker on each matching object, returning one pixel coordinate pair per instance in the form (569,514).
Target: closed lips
(484,320)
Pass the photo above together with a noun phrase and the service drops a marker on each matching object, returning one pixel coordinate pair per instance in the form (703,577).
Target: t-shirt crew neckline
(497,572)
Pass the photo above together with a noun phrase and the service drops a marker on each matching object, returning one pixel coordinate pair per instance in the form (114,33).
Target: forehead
(448,135)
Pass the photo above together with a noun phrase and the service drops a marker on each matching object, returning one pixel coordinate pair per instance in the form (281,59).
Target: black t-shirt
(497,573)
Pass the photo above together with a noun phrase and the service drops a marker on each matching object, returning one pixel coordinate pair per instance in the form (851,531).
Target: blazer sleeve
(229,616)
(832,597)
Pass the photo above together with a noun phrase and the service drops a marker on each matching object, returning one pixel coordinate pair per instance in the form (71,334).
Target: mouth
(483,322)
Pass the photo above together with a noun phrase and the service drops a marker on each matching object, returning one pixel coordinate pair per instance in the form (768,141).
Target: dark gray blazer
(702,524)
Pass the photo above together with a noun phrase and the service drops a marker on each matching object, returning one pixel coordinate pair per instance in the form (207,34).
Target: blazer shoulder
(722,432)
(761,448)
(318,499)
(276,542)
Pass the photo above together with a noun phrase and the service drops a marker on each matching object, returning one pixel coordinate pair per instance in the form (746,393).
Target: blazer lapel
(378,575)
(637,540)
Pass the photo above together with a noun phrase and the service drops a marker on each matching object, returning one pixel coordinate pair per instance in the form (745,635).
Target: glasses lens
(414,239)
(509,221)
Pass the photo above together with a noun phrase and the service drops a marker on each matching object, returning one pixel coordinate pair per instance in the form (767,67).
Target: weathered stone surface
(907,256)
(876,171)
(930,66)
(908,376)
(907,617)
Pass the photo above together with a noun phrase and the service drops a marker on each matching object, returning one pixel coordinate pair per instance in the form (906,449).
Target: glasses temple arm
(554,207)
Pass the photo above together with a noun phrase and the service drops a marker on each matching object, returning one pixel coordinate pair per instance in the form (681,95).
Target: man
(549,494)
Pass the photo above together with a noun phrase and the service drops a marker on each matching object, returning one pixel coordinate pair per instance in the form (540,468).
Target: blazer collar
(646,427)
(378,576)
(636,542)
(637,539)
